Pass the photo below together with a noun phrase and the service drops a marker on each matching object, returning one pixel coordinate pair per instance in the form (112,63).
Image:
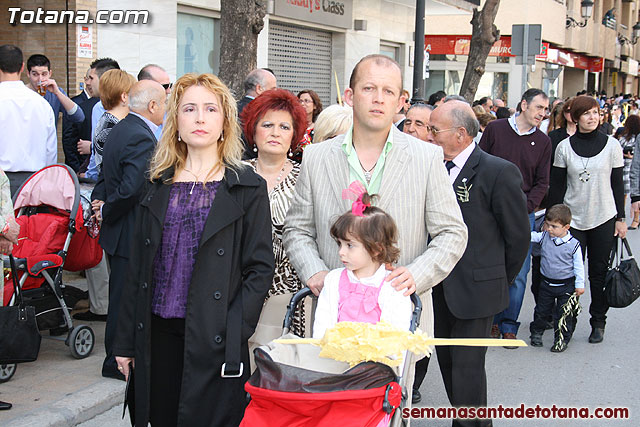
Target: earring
(222,136)
(290,153)
(255,148)
(179,139)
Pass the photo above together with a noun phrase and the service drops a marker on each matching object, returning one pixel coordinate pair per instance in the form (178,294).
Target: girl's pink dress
(359,303)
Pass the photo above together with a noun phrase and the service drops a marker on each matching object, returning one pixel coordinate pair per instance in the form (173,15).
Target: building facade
(598,53)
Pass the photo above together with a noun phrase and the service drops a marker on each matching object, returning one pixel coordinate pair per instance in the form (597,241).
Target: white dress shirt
(459,162)
(395,308)
(28,140)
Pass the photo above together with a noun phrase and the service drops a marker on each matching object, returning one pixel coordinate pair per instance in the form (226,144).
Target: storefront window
(198,42)
(491,84)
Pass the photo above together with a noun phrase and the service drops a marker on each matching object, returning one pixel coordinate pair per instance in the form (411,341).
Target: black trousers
(167,363)
(597,243)
(118,266)
(550,302)
(462,368)
(422,366)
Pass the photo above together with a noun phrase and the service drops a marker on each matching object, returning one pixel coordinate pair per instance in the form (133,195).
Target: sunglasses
(167,86)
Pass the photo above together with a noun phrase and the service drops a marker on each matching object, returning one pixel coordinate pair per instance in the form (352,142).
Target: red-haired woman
(274,123)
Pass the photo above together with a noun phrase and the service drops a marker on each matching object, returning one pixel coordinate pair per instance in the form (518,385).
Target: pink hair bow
(355,192)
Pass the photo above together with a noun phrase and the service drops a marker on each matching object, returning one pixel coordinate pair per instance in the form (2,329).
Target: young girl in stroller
(359,292)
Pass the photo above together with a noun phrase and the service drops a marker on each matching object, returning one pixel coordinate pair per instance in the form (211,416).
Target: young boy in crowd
(562,270)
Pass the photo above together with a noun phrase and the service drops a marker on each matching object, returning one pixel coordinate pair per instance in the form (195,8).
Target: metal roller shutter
(301,58)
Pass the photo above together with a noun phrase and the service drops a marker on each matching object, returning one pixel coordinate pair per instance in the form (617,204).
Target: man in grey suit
(407,175)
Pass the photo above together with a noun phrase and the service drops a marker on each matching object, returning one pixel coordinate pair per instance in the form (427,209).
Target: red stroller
(292,386)
(53,237)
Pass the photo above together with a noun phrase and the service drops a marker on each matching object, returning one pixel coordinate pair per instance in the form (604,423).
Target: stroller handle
(305,292)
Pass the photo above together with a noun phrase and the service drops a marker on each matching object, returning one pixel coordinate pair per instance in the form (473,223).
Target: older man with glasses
(416,123)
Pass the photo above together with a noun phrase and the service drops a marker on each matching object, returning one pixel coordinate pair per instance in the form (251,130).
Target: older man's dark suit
(125,161)
(477,288)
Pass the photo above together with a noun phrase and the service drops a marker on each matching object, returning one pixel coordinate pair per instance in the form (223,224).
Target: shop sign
(460,45)
(336,13)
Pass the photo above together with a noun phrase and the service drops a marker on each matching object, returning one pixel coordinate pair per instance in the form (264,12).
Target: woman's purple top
(189,206)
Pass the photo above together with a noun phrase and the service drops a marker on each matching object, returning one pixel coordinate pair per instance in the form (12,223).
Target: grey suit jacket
(415,191)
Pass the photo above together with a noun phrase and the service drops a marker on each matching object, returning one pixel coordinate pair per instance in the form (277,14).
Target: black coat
(125,161)
(72,132)
(499,237)
(231,277)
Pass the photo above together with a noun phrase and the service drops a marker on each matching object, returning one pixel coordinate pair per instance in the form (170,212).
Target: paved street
(61,388)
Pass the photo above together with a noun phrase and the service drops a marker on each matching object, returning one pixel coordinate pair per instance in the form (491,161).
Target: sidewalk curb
(76,407)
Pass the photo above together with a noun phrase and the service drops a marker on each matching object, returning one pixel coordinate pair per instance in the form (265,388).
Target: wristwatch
(620,219)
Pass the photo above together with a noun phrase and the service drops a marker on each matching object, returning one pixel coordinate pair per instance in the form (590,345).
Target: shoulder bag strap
(16,285)
(614,254)
(627,247)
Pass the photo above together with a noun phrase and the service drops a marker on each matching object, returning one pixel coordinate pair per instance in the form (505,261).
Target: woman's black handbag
(622,282)
(19,335)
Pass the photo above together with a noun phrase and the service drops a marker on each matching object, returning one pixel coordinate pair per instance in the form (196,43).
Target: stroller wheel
(81,341)
(6,372)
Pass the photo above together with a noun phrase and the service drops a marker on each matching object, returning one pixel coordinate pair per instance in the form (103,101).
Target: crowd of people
(214,212)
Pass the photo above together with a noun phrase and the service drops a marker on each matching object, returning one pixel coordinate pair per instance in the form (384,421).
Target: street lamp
(586,10)
(635,35)
(636,32)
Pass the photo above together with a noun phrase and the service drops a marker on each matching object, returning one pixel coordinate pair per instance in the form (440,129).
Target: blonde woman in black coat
(201,266)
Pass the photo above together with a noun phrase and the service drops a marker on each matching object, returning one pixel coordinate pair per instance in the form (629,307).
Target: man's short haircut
(463,118)
(38,60)
(529,95)
(436,97)
(484,100)
(378,59)
(558,213)
(10,59)
(455,98)
(503,113)
(580,105)
(103,65)
(421,105)
(144,73)
(113,84)
(255,78)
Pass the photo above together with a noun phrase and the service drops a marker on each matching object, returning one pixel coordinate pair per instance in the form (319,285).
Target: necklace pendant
(584,176)
(367,176)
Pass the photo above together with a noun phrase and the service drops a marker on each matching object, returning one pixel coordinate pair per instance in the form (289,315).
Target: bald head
(455,126)
(156,73)
(258,81)
(147,98)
